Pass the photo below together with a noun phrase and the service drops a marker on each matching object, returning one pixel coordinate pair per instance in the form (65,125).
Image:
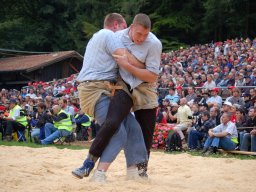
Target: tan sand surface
(49,169)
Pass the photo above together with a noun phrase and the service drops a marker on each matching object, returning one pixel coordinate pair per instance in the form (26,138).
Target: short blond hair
(111,18)
(143,20)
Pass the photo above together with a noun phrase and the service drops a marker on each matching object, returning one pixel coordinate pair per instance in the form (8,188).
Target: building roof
(34,62)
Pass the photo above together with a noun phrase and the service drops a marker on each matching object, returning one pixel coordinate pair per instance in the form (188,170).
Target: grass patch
(33,145)
(79,146)
(217,155)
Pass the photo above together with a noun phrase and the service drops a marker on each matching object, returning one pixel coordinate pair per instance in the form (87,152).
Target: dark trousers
(119,107)
(13,126)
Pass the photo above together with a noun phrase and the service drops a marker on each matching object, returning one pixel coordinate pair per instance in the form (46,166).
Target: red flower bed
(160,135)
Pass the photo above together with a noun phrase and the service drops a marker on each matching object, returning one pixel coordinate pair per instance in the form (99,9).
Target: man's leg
(11,127)
(253,143)
(207,144)
(115,145)
(147,121)
(245,142)
(194,137)
(109,115)
(241,136)
(51,133)
(120,105)
(179,128)
(129,137)
(226,143)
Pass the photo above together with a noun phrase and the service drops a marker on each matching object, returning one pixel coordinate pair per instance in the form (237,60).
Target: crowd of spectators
(39,101)
(212,78)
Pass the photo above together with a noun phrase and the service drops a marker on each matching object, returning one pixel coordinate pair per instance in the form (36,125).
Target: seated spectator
(204,97)
(249,141)
(231,80)
(31,94)
(236,98)
(172,113)
(248,135)
(217,78)
(248,82)
(16,121)
(83,123)
(61,127)
(191,96)
(66,106)
(38,133)
(160,118)
(215,115)
(172,96)
(239,79)
(199,82)
(222,136)
(215,98)
(209,84)
(231,109)
(180,91)
(183,121)
(247,100)
(252,92)
(224,81)
(200,131)
(240,117)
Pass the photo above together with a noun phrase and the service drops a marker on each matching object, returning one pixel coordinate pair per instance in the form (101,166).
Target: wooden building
(17,71)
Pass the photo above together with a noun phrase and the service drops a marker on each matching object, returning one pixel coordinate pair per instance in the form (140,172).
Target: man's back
(98,62)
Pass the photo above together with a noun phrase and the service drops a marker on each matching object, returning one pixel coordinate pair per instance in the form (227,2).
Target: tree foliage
(54,25)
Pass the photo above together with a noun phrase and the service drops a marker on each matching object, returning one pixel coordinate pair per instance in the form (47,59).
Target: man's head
(63,103)
(114,22)
(13,103)
(205,116)
(251,113)
(227,106)
(56,109)
(171,90)
(41,107)
(213,112)
(140,28)
(191,90)
(225,118)
(183,101)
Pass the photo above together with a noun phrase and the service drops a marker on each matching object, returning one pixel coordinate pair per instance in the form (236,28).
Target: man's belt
(109,83)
